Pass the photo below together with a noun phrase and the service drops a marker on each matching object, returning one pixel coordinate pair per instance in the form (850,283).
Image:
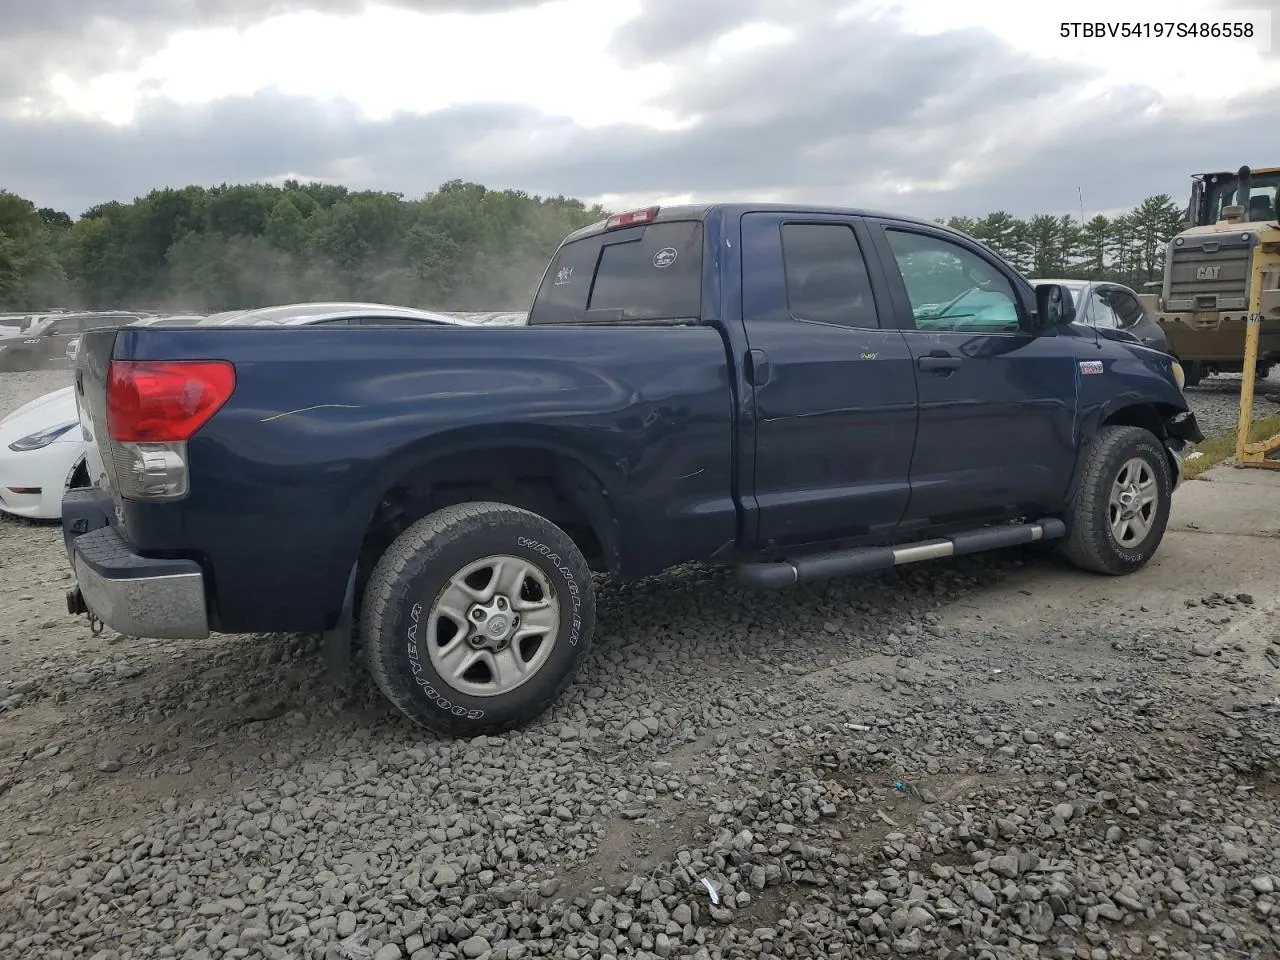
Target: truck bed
(326,425)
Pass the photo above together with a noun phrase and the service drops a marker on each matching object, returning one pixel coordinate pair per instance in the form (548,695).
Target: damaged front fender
(1180,430)
(1183,429)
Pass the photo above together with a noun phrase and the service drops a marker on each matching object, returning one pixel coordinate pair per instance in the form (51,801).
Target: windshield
(1221,192)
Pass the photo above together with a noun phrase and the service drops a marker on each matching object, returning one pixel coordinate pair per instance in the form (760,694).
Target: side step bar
(821,566)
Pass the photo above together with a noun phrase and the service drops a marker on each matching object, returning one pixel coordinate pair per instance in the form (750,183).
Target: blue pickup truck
(796,392)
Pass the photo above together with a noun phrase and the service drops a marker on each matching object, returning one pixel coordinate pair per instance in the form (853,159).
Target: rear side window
(643,274)
(1127,308)
(827,278)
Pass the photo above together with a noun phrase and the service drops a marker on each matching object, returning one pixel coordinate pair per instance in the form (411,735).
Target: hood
(43,413)
(1151,339)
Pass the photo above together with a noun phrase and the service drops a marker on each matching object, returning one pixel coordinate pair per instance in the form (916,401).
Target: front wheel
(1122,506)
(477,617)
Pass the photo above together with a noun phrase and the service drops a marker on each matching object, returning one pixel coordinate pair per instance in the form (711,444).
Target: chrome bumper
(165,606)
(133,595)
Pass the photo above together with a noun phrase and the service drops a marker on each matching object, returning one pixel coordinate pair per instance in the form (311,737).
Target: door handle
(757,368)
(939,362)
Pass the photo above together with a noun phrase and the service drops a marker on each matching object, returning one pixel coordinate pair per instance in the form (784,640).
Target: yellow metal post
(1252,454)
(1247,385)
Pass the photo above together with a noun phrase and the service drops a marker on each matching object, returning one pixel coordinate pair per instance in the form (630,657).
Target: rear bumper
(133,595)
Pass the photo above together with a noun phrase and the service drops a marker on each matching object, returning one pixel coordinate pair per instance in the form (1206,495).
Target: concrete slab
(1251,476)
(1229,500)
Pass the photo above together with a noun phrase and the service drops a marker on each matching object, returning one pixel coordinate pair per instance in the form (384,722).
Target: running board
(821,566)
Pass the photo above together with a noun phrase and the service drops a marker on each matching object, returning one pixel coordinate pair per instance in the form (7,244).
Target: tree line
(461,247)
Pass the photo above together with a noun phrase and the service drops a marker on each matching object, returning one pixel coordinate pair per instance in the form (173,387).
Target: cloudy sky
(931,107)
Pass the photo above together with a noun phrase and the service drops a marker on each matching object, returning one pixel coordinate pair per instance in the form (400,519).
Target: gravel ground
(1216,401)
(982,759)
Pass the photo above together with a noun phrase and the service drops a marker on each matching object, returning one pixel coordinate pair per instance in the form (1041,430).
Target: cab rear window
(642,274)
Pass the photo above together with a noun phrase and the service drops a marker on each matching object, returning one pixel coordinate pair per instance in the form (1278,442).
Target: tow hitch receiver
(75,602)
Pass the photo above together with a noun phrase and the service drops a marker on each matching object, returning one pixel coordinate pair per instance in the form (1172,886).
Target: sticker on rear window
(665,257)
(563,276)
(1090,366)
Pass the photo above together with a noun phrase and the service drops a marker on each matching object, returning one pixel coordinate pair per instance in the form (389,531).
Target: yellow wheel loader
(1221,272)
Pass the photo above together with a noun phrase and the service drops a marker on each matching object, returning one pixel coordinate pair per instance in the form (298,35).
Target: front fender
(1136,386)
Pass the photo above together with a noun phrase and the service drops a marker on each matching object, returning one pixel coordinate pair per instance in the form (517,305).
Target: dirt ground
(1000,757)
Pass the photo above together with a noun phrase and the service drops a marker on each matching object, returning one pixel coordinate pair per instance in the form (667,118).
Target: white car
(41,456)
(41,445)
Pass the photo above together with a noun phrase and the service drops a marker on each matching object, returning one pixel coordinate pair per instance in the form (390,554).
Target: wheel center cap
(497,626)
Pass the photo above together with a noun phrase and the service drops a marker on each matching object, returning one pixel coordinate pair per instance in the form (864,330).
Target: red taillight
(165,401)
(631,218)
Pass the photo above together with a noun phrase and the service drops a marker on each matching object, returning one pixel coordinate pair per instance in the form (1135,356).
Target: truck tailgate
(93,361)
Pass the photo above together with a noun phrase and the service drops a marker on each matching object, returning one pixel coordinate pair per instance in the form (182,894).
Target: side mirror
(1054,305)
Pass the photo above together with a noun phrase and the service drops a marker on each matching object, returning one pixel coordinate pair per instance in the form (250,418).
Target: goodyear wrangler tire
(477,617)
(1122,507)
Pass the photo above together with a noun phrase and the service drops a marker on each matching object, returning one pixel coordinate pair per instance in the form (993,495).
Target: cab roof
(1253,171)
(700,211)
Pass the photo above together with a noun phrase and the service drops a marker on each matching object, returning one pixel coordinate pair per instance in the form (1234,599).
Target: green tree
(1095,242)
(461,246)
(29,268)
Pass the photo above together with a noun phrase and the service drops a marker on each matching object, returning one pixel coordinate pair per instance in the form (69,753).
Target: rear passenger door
(834,389)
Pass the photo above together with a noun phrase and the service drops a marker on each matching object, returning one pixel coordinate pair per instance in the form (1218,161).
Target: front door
(834,392)
(996,434)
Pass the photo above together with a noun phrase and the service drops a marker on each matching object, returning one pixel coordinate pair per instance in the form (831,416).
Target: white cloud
(1188,69)
(931,106)
(389,60)
(555,58)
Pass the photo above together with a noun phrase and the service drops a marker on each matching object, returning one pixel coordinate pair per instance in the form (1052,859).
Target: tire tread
(391,581)
(1089,545)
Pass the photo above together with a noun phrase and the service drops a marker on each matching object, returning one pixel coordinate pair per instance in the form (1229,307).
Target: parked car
(42,456)
(144,321)
(46,339)
(798,393)
(1109,306)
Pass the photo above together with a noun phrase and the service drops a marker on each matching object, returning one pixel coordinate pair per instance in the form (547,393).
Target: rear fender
(585,485)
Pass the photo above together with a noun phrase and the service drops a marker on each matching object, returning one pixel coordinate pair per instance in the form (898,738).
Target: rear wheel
(1122,506)
(1194,372)
(477,617)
